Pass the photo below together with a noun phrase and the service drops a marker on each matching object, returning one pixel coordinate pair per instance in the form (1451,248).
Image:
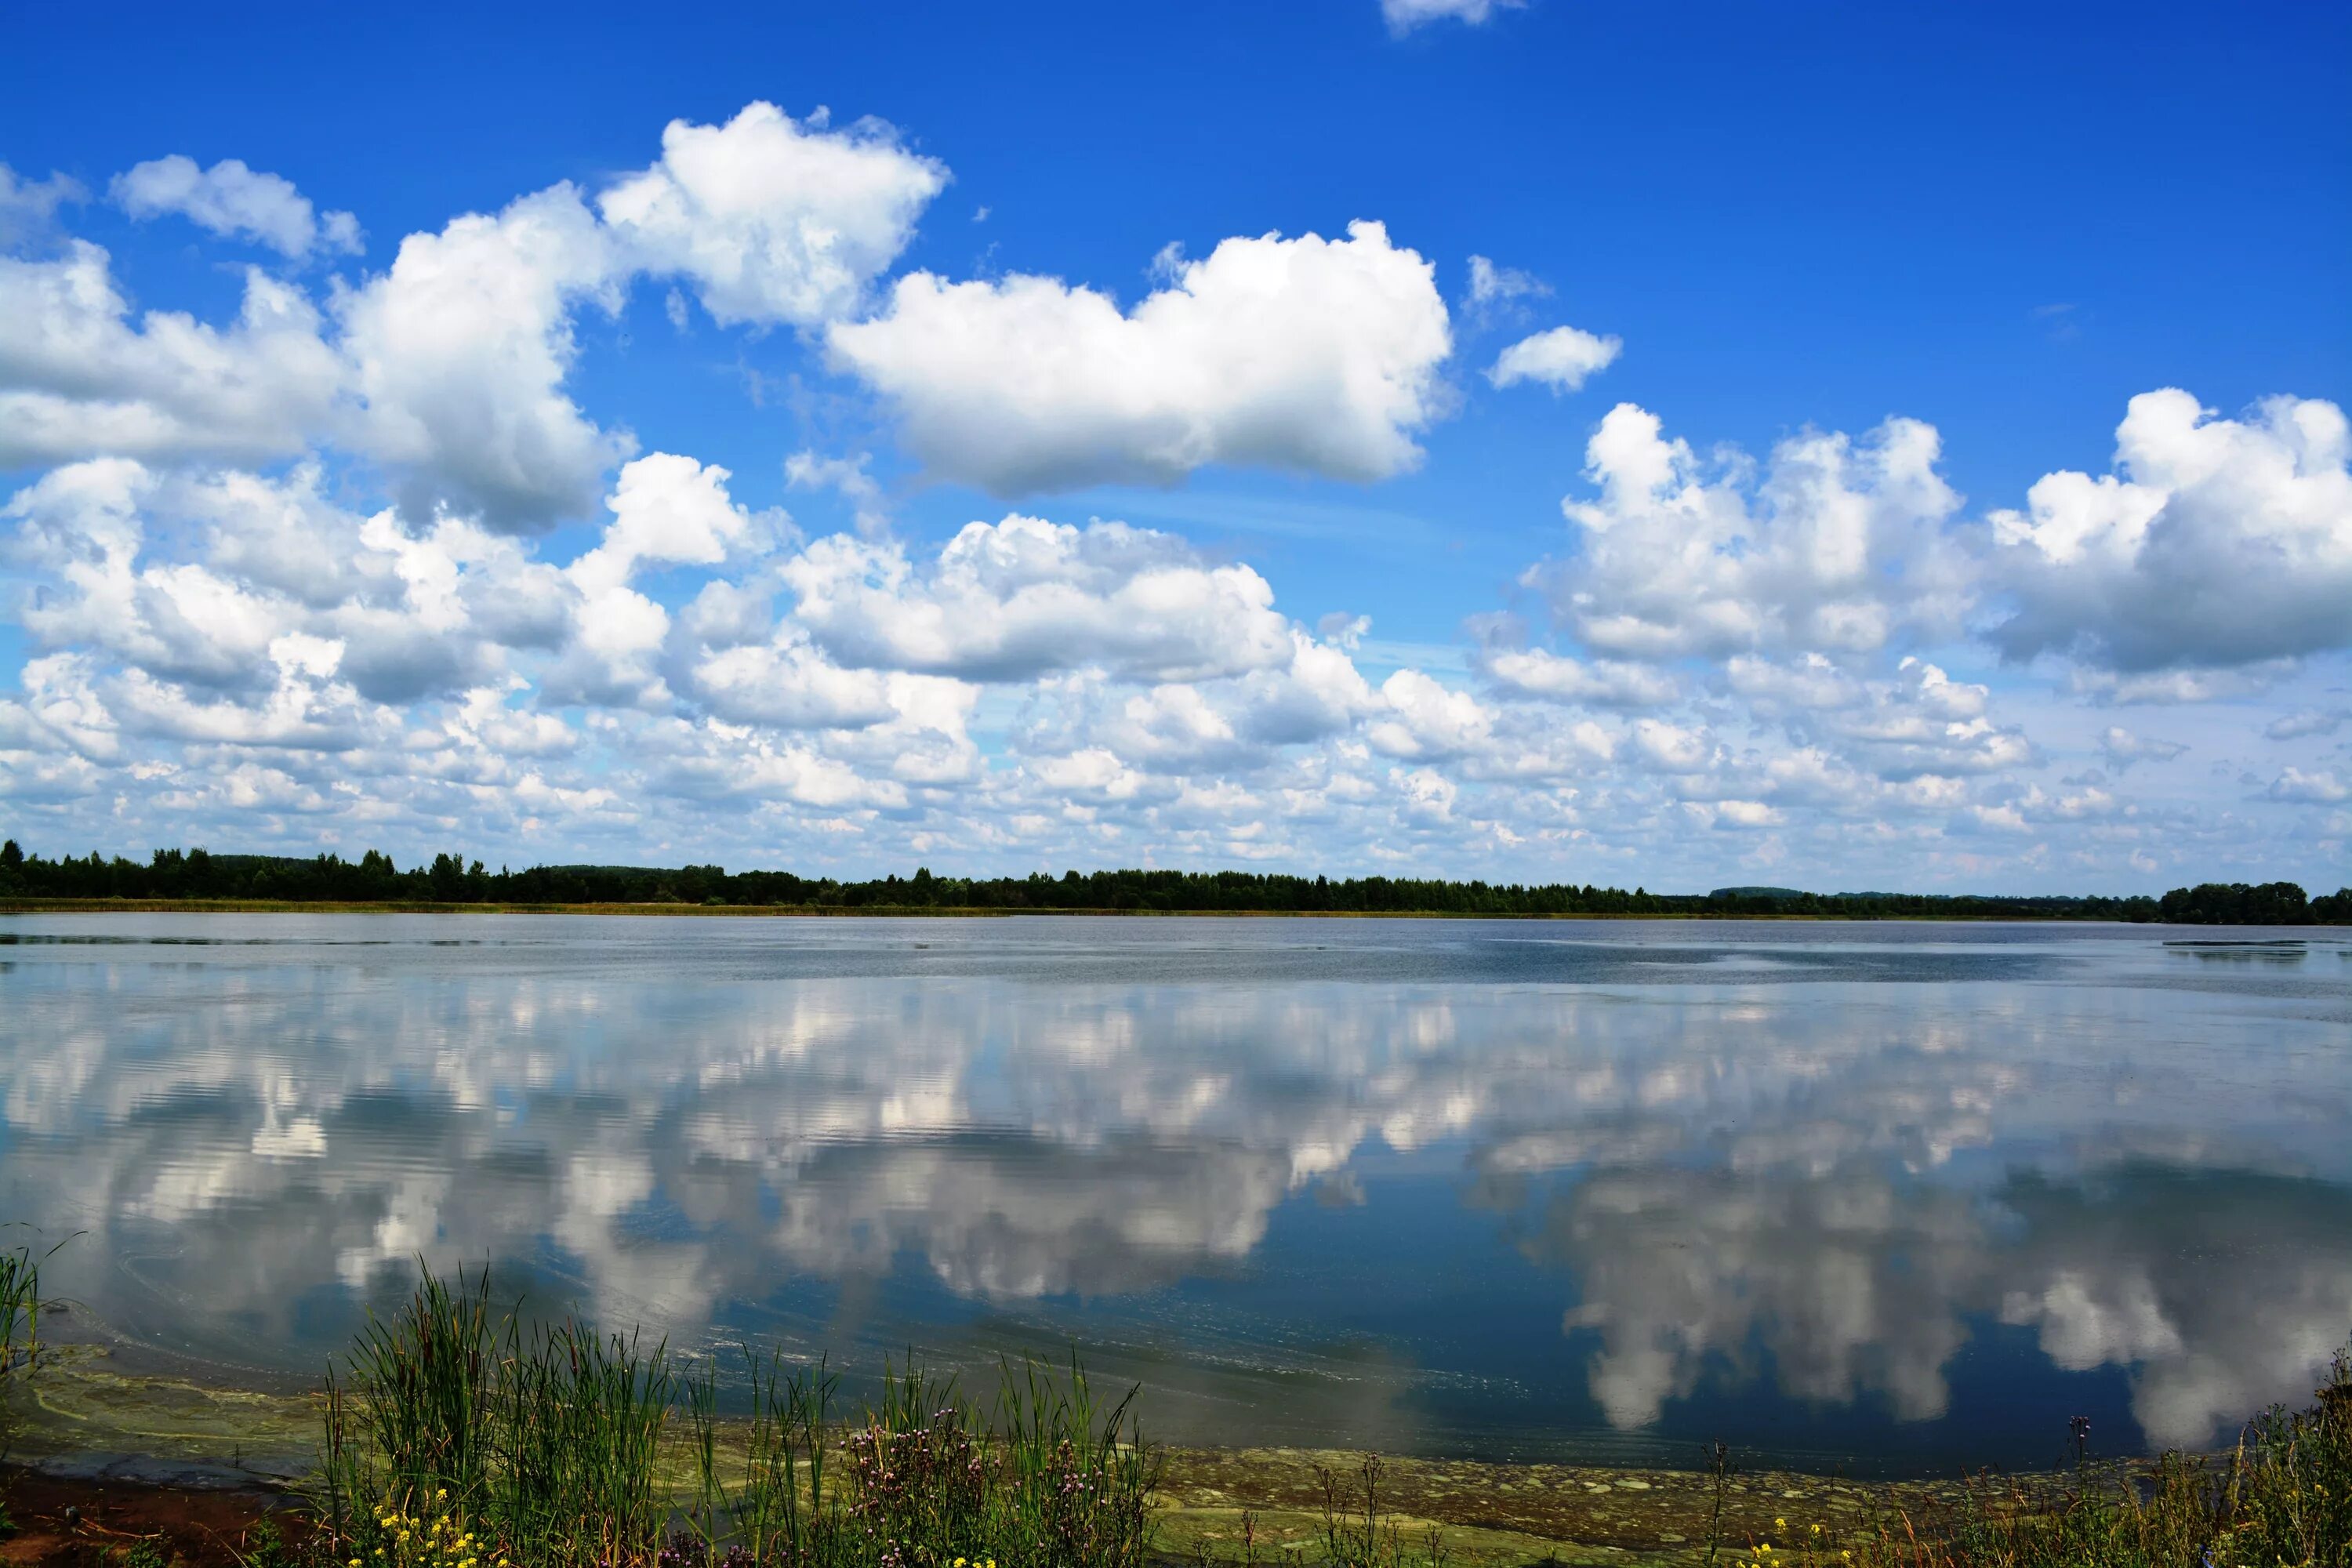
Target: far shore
(21,906)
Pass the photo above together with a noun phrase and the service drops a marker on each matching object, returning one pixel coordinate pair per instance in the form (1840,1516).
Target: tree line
(375,878)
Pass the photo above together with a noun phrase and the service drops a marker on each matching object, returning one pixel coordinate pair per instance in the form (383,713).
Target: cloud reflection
(1822,1187)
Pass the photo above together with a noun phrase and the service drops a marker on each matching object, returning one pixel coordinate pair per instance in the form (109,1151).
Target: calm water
(1901,1196)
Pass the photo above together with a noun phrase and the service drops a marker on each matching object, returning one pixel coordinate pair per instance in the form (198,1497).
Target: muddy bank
(81,1522)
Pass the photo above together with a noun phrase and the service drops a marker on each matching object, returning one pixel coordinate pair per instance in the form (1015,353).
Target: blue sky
(2000,225)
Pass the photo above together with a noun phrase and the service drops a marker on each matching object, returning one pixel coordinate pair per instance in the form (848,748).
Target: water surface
(1892,1196)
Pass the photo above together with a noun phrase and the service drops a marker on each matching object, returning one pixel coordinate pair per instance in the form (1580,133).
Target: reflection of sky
(1906,1191)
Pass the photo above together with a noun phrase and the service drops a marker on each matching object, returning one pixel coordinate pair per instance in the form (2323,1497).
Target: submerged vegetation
(373,879)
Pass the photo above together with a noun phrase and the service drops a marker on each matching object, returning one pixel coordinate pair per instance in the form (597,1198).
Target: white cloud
(2122,748)
(1672,748)
(2216,543)
(1608,683)
(1308,355)
(2309,721)
(789,684)
(215,646)
(1563,359)
(775,221)
(1430,720)
(2167,688)
(1922,723)
(1012,599)
(27,207)
(1835,547)
(2321,786)
(666,510)
(848,478)
(458,355)
(1498,290)
(1403,16)
(231,199)
(78,380)
(1808,682)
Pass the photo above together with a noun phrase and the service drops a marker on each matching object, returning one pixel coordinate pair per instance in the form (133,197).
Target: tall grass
(20,1306)
(2280,1499)
(20,1342)
(454,1438)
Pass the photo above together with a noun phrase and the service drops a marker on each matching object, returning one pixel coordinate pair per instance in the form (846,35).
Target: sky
(1677,446)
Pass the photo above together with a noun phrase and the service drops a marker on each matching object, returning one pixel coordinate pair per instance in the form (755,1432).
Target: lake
(1894,1198)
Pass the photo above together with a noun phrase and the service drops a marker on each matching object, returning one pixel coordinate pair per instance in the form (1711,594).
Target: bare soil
(196,1526)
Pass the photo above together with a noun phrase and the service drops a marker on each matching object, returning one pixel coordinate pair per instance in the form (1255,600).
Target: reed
(20,1308)
(2280,1499)
(454,1438)
(1357,1534)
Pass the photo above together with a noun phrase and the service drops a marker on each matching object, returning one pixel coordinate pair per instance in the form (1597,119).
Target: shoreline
(146,1455)
(21,906)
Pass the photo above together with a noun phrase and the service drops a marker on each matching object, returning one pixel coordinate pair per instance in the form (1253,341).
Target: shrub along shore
(453,1435)
(198,879)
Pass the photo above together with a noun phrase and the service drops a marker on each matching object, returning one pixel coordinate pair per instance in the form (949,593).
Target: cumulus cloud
(2321,786)
(450,367)
(1835,545)
(1563,359)
(78,379)
(666,510)
(1012,599)
(1921,721)
(226,613)
(458,355)
(1314,355)
(2308,722)
(1608,683)
(1430,722)
(775,221)
(232,200)
(2214,542)
(2122,748)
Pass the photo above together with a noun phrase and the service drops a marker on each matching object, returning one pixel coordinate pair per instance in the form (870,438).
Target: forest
(375,878)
